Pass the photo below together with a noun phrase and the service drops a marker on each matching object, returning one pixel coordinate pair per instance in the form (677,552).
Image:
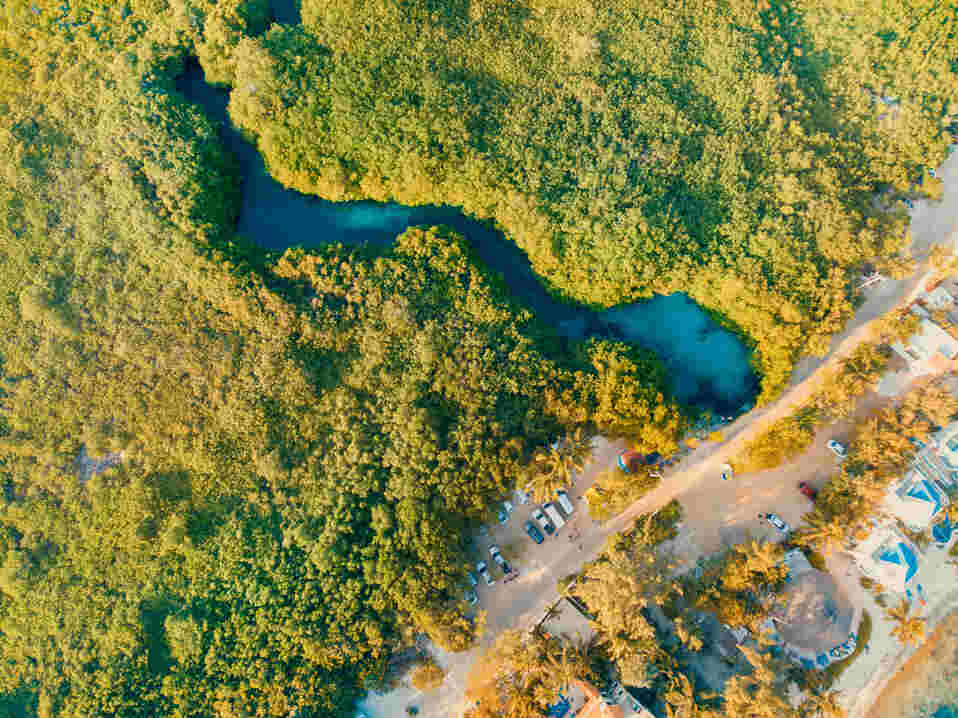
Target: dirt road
(521,602)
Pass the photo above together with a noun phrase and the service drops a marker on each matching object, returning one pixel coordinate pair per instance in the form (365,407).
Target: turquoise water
(946,712)
(708,365)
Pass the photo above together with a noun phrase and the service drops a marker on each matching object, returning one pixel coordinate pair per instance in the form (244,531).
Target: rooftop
(915,500)
(814,616)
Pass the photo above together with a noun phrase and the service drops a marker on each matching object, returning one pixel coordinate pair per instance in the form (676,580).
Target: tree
(428,676)
(523,674)
(681,701)
(826,534)
(759,694)
(823,705)
(908,629)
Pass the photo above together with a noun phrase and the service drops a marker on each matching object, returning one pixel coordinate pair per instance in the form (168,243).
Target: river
(709,367)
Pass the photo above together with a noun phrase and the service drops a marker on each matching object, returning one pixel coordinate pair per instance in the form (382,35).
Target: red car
(809,491)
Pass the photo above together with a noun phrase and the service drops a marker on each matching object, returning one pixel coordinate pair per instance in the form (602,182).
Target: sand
(927,680)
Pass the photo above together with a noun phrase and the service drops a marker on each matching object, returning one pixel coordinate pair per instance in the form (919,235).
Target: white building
(916,500)
(929,349)
(888,558)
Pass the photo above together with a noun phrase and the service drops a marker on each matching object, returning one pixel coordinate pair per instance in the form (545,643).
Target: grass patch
(833,671)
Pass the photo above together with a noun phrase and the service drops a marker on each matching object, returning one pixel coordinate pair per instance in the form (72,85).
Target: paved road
(520,603)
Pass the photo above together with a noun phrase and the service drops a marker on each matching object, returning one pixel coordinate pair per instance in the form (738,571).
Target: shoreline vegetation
(308,440)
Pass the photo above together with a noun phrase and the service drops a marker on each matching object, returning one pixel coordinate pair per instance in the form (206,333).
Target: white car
(471,597)
(776,521)
(483,571)
(543,522)
(838,449)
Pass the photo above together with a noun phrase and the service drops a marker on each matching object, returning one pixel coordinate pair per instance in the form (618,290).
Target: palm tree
(556,467)
(680,699)
(909,630)
(823,705)
(824,533)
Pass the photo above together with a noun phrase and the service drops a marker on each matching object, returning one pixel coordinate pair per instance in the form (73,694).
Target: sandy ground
(927,680)
(718,510)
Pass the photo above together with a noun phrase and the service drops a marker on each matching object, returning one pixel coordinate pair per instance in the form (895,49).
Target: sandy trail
(927,680)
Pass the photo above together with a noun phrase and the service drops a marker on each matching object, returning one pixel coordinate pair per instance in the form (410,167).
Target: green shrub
(429,676)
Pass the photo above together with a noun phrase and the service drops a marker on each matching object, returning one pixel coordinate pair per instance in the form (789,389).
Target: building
(930,349)
(916,500)
(814,620)
(581,699)
(888,558)
(938,461)
(939,299)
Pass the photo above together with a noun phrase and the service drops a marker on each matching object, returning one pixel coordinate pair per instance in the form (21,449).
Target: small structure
(939,299)
(928,350)
(630,461)
(581,698)
(916,501)
(888,558)
(814,620)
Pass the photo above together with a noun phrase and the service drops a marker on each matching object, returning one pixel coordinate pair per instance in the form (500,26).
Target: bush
(428,676)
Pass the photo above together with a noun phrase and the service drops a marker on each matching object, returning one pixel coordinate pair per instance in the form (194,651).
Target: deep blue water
(708,365)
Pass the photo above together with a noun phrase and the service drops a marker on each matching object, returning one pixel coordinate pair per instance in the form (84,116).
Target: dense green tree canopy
(302,442)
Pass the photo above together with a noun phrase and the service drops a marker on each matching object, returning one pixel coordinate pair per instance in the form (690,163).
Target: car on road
(543,522)
(776,521)
(909,203)
(534,533)
(472,578)
(483,571)
(808,490)
(931,172)
(499,559)
(503,515)
(472,598)
(838,449)
(523,497)
(564,502)
(554,516)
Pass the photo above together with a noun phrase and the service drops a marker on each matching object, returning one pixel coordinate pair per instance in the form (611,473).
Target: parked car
(554,516)
(776,521)
(931,172)
(472,578)
(533,532)
(472,598)
(808,490)
(483,571)
(507,505)
(543,522)
(838,449)
(564,502)
(499,559)
(909,203)
(523,497)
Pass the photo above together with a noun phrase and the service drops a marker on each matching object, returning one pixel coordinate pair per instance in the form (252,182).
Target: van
(553,513)
(564,502)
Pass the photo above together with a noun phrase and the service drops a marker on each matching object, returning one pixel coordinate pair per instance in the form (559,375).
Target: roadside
(524,600)
(927,680)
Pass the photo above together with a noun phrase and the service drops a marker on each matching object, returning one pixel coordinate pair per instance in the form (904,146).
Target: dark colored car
(534,533)
(499,559)
(807,490)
